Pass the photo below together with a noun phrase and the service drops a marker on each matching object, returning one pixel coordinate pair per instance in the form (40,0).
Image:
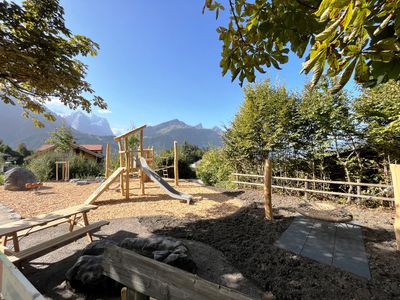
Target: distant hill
(15,129)
(162,136)
(88,123)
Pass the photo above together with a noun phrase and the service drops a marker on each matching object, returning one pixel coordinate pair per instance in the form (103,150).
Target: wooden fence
(309,186)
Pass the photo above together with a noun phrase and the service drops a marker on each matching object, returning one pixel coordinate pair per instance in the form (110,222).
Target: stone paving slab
(337,244)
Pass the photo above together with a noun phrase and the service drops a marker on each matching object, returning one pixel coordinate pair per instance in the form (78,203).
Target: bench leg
(3,243)
(15,242)
(72,223)
(86,222)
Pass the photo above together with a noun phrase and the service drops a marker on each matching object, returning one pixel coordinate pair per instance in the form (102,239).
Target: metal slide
(142,165)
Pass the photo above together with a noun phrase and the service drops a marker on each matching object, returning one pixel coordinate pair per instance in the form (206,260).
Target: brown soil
(233,223)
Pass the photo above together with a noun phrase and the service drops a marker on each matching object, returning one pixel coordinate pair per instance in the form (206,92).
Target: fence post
(268,189)
(358,190)
(305,187)
(395,170)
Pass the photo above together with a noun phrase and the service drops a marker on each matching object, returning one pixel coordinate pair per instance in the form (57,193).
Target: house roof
(92,147)
(45,147)
(88,148)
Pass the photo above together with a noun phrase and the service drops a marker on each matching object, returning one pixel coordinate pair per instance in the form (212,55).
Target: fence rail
(306,189)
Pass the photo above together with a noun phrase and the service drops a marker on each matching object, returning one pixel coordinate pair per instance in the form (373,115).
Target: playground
(259,236)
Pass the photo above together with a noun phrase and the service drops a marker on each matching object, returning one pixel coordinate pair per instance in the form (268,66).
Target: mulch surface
(247,240)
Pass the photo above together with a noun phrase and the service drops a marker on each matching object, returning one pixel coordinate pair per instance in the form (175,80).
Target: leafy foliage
(62,138)
(344,37)
(215,168)
(43,166)
(38,59)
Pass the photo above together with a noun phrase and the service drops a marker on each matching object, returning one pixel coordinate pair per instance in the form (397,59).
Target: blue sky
(159,60)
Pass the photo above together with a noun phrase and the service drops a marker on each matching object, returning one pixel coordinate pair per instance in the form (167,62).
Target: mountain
(15,129)
(162,136)
(90,124)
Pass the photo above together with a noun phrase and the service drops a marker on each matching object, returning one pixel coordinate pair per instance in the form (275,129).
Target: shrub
(1,179)
(215,169)
(43,166)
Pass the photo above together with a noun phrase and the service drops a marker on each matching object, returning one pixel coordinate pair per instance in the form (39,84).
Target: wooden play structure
(64,166)
(136,162)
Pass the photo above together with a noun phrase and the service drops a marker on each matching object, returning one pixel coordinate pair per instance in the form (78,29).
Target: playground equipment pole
(268,189)
(107,172)
(395,170)
(176,158)
(126,168)
(141,172)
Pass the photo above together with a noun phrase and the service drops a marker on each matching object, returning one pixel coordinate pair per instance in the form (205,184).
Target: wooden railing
(308,186)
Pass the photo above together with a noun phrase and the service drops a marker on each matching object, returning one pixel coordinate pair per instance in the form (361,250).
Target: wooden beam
(268,189)
(128,133)
(159,280)
(395,171)
(176,163)
(142,189)
(13,284)
(127,168)
(56,171)
(121,165)
(108,153)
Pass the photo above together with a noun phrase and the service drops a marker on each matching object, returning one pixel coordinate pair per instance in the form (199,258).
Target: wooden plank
(395,171)
(92,198)
(268,190)
(13,284)
(53,244)
(159,280)
(132,131)
(43,219)
(176,164)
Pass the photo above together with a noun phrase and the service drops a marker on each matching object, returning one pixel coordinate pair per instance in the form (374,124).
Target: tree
(21,149)
(262,126)
(379,110)
(38,59)
(347,36)
(62,138)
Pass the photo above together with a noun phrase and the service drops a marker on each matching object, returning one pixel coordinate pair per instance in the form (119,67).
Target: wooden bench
(21,228)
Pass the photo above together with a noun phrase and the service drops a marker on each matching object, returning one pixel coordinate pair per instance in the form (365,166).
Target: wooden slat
(104,185)
(159,280)
(53,244)
(395,170)
(317,180)
(13,284)
(43,219)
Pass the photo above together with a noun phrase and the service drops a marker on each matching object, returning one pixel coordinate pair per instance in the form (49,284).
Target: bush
(43,166)
(1,179)
(215,169)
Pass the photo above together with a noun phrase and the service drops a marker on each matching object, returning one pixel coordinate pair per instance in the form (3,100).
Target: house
(91,151)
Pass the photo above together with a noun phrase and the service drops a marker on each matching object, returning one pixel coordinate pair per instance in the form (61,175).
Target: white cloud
(104,111)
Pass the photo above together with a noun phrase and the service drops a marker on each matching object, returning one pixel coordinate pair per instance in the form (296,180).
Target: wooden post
(121,164)
(127,169)
(56,171)
(268,189)
(108,151)
(176,159)
(305,187)
(395,170)
(142,190)
(129,294)
(358,190)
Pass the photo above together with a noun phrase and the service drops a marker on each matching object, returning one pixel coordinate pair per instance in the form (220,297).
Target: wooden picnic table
(76,215)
